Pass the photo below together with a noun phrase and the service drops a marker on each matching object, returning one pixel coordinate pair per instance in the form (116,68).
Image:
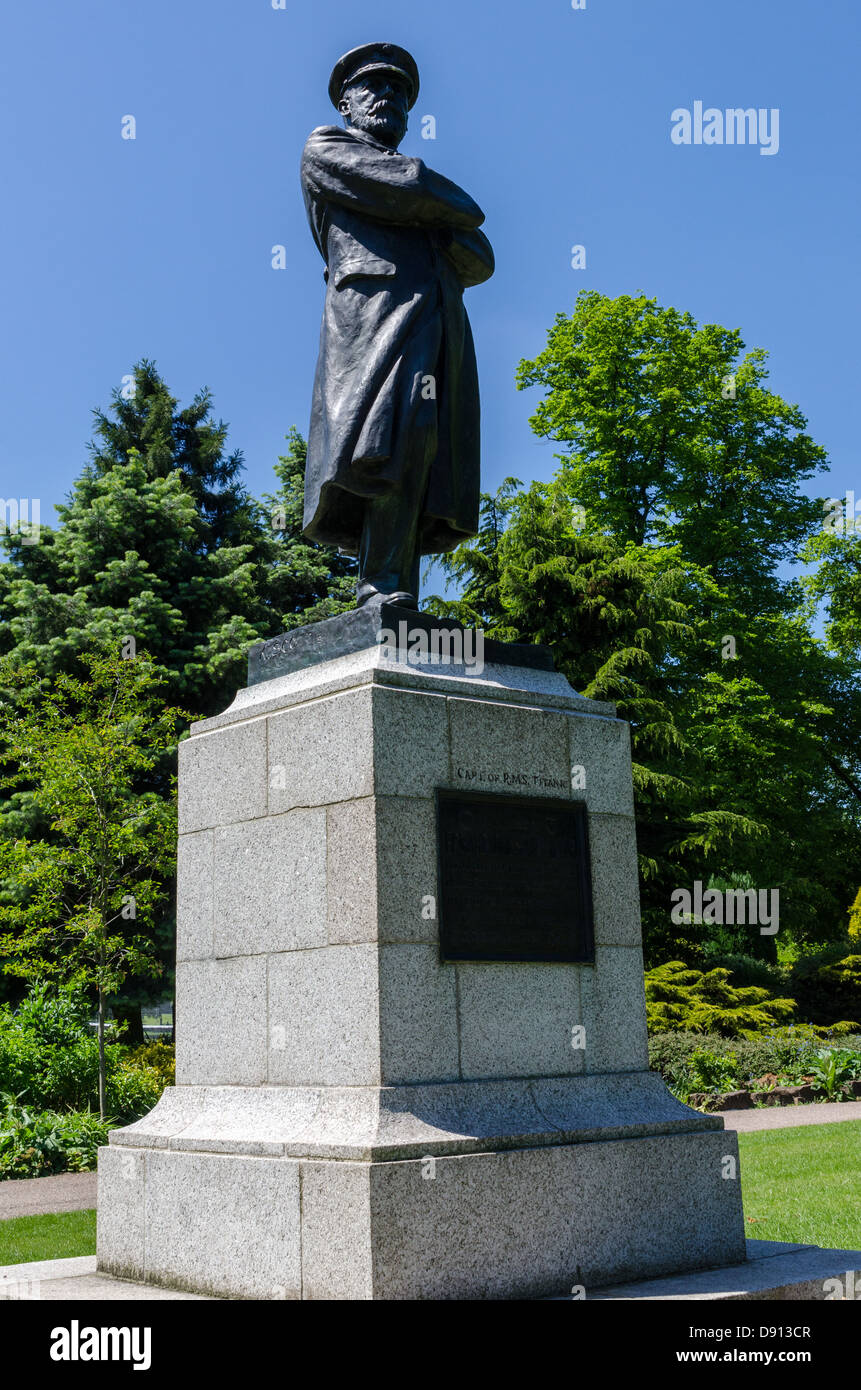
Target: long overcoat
(396,385)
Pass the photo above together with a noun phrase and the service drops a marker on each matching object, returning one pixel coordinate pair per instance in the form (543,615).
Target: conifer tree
(160,548)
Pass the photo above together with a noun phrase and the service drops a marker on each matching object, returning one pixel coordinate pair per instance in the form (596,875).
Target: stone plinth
(355,1117)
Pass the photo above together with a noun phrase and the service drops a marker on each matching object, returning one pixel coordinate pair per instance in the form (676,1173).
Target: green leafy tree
(615,614)
(836,583)
(84,896)
(673,440)
(671,435)
(652,567)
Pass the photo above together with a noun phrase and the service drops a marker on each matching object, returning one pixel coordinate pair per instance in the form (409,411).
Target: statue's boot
(366,592)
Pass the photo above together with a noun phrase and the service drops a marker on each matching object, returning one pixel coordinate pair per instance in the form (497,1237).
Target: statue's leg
(388,550)
(389,547)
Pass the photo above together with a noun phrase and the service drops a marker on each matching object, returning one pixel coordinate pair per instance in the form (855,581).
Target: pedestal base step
(773,1270)
(516,1223)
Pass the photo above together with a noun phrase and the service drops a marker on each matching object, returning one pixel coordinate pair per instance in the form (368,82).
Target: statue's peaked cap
(374,57)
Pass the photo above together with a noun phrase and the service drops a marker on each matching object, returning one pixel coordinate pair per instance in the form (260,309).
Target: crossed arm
(381,184)
(389,187)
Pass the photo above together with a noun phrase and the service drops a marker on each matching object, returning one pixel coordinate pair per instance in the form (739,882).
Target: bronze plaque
(514,878)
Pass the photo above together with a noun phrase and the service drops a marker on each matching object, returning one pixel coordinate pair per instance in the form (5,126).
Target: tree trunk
(101,1054)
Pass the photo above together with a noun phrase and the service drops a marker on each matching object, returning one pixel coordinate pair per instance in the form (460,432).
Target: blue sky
(557,121)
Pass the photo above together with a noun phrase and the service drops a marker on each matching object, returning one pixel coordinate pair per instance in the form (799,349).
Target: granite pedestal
(355,1117)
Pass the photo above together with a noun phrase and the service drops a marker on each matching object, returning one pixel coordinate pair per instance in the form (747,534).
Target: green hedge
(708,1061)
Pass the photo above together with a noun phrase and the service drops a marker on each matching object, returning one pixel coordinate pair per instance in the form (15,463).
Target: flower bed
(771,1095)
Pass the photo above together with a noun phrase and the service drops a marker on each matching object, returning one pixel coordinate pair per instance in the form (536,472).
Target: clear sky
(556,120)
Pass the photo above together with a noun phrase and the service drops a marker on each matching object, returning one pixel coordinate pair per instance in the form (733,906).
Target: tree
(672,436)
(836,583)
(615,615)
(777,730)
(158,541)
(309,582)
(85,749)
(477,562)
(159,544)
(650,565)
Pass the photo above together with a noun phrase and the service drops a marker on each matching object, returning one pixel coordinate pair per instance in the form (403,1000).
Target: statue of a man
(393,448)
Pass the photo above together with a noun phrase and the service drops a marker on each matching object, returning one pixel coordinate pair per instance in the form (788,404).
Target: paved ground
(59,1280)
(35,1196)
(785,1116)
(774,1270)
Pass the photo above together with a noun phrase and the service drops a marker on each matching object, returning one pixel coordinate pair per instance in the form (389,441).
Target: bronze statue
(393,448)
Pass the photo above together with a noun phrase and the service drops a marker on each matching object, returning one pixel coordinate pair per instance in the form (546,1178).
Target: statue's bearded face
(377,104)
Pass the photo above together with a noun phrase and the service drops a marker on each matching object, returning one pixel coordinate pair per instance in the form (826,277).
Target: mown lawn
(803,1184)
(58,1236)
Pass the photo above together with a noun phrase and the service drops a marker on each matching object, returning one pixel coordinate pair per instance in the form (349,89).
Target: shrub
(52,1017)
(57,1074)
(669,1053)
(833,1068)
(158,1056)
(70,1080)
(46,1052)
(827,988)
(788,1052)
(34,1144)
(711,1071)
(49,1085)
(69,1076)
(21,1060)
(749,970)
(133,1091)
(705,1001)
(687,1065)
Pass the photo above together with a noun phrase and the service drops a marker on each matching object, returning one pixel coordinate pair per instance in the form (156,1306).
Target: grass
(58,1236)
(802,1184)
